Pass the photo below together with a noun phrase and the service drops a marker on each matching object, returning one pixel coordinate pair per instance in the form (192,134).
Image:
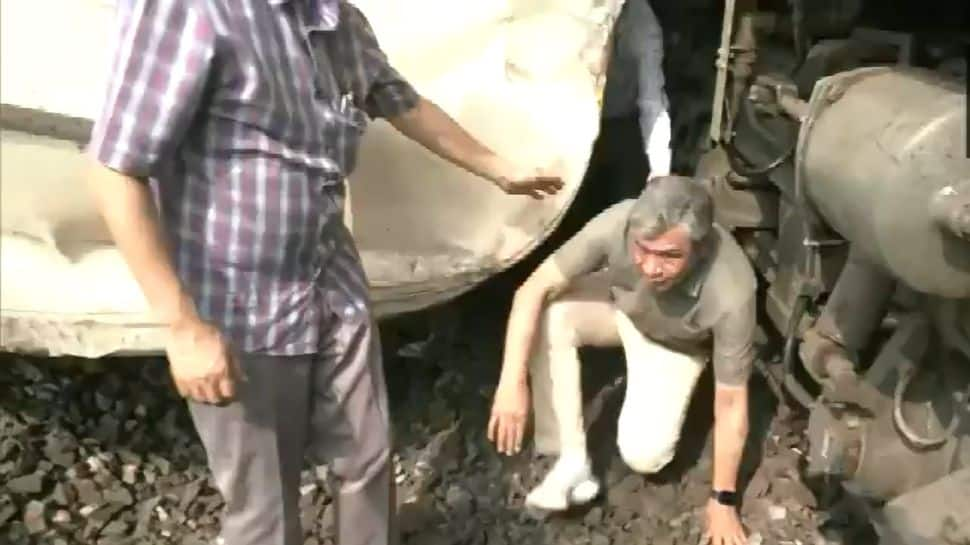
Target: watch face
(725,497)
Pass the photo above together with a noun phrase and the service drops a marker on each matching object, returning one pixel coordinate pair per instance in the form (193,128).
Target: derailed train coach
(832,133)
(427,231)
(836,151)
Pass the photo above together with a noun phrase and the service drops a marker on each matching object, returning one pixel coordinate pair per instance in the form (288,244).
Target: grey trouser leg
(350,425)
(335,403)
(255,448)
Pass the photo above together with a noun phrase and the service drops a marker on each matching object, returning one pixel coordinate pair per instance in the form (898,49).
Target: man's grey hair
(669,201)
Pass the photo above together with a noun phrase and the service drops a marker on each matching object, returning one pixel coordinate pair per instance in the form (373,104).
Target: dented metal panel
(427,231)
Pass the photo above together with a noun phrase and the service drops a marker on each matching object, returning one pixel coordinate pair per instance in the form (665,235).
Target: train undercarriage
(836,151)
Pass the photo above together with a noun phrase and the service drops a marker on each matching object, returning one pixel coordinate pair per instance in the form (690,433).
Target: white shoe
(569,482)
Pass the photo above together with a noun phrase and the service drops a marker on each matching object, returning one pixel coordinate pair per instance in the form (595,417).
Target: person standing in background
(635,125)
(635,86)
(245,116)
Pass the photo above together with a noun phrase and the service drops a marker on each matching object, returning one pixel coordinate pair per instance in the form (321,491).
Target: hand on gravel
(723,526)
(506,427)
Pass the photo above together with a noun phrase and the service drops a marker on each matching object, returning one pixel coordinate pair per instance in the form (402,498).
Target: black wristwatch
(725,497)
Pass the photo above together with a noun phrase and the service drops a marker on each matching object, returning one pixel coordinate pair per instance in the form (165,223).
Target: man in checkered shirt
(245,116)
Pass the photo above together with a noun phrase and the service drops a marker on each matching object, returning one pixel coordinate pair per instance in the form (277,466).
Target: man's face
(664,259)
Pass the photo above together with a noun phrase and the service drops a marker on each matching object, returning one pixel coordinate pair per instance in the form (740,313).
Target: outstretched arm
(390,96)
(430,126)
(510,409)
(730,434)
(733,359)
(545,283)
(582,254)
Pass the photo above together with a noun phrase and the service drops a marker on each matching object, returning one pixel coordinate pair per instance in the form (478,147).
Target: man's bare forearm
(127,208)
(520,335)
(730,435)
(527,305)
(430,126)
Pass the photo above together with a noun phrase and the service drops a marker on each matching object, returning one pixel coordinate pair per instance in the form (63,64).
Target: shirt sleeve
(162,58)
(587,250)
(734,344)
(388,93)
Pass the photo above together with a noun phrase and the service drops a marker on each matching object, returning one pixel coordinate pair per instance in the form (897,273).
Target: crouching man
(658,277)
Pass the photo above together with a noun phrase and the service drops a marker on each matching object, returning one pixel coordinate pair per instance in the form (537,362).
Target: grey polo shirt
(714,304)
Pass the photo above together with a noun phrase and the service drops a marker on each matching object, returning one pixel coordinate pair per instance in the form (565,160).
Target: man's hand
(199,358)
(202,366)
(430,126)
(723,526)
(537,183)
(506,427)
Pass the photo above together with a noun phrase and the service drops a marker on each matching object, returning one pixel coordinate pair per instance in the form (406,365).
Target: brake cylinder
(877,150)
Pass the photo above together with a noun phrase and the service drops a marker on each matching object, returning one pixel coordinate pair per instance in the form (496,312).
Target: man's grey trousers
(332,406)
